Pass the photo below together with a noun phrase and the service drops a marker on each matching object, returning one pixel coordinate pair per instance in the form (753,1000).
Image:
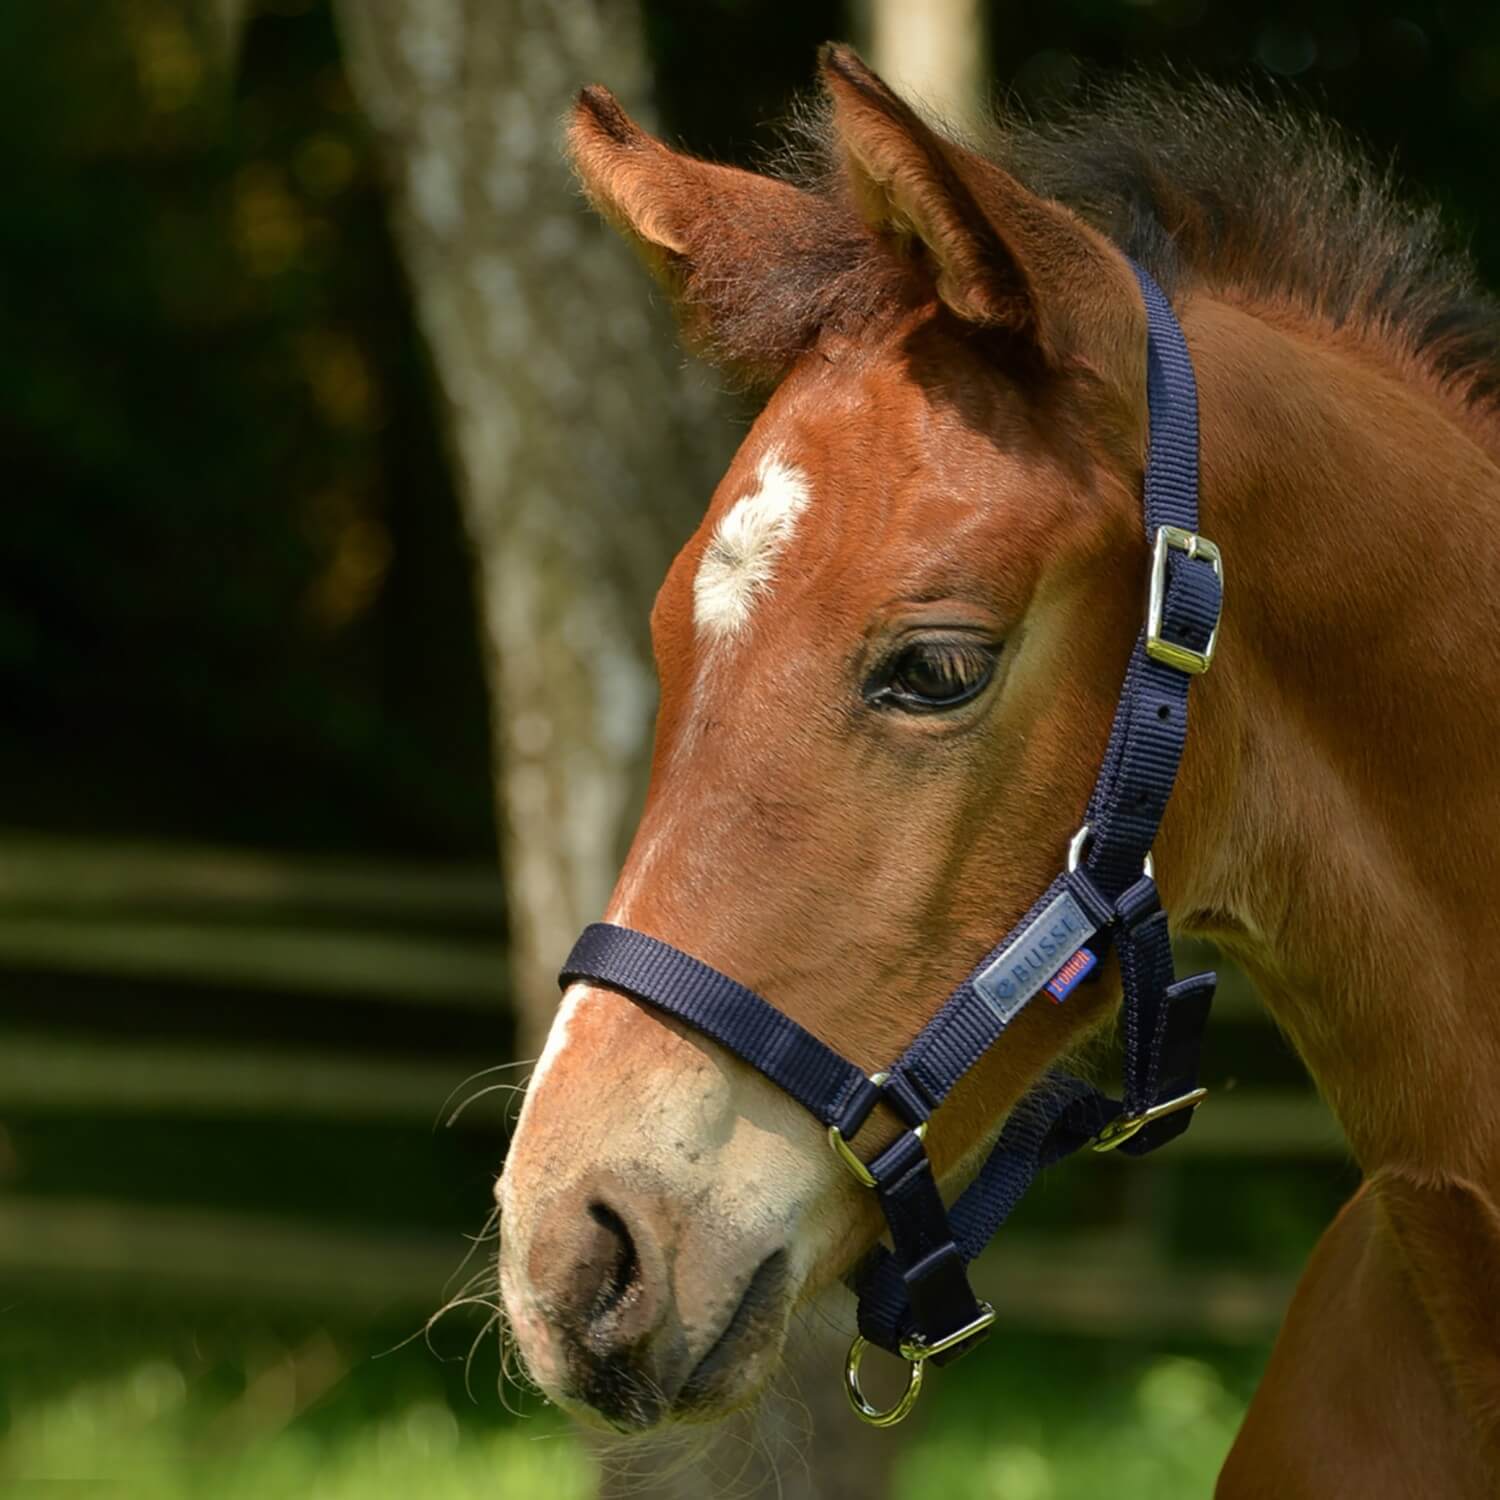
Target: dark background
(233,593)
(236,612)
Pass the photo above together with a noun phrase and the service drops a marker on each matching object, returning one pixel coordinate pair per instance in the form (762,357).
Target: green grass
(1027,1418)
(140,1432)
(1079,1423)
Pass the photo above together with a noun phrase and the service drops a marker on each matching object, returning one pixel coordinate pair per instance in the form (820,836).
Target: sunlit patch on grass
(1071,1421)
(139,1432)
(1174,1395)
(1030,1417)
(1018,1472)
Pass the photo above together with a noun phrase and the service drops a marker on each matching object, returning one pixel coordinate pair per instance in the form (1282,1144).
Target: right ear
(713,236)
(1000,255)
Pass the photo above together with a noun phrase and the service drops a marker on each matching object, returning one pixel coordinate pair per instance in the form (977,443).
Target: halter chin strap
(915,1298)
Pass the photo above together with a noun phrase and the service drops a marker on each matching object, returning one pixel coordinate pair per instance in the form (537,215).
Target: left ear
(1001,257)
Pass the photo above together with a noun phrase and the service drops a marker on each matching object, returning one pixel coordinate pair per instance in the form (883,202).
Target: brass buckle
(1184,658)
(916,1352)
(862,1173)
(1117,1132)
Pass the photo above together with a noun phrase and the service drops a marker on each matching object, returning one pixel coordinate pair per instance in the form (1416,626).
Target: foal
(888,662)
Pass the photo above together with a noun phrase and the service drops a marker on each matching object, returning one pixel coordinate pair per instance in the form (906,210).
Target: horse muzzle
(629,1317)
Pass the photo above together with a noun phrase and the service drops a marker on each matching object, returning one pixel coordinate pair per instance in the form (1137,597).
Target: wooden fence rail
(1086,1285)
(335,930)
(85,876)
(47,1075)
(403,968)
(381,931)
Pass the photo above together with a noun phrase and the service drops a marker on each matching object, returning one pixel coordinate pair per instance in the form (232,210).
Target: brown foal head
(888,662)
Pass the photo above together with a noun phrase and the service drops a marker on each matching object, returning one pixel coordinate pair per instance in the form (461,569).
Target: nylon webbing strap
(1053,1121)
(1150,725)
(918,1289)
(967,1025)
(734,1016)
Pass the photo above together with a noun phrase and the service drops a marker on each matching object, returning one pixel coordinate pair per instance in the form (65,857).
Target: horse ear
(710,234)
(640,185)
(1001,256)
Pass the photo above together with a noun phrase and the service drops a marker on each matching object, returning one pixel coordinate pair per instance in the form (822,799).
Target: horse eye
(932,675)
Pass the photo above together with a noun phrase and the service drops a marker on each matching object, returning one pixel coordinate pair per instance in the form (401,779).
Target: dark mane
(1205,186)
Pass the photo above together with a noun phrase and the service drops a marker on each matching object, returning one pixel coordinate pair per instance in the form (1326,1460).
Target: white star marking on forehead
(740,559)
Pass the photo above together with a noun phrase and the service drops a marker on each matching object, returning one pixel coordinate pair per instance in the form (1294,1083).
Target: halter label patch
(1036,956)
(1072,973)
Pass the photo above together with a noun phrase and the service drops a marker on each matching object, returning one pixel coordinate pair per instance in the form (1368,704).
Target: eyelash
(968,664)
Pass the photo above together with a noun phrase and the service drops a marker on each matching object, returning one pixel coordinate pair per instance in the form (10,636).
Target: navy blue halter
(915,1298)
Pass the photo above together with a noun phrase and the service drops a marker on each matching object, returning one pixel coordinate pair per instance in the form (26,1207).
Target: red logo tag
(1060,986)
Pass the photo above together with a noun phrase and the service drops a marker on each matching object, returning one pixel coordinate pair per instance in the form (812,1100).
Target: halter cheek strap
(915,1298)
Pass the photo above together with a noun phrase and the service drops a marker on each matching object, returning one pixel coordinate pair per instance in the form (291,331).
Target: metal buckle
(1118,1131)
(1184,658)
(1079,842)
(862,1173)
(916,1352)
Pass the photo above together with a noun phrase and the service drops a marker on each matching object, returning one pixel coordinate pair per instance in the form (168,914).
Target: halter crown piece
(914,1298)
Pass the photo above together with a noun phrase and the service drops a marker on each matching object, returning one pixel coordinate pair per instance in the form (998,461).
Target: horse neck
(1337,816)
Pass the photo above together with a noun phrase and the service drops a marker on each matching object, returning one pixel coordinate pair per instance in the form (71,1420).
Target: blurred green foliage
(1031,1419)
(233,596)
(235,606)
(1066,1419)
(147,1430)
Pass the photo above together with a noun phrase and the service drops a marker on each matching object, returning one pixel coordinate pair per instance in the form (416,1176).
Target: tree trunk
(584,452)
(933,52)
(575,427)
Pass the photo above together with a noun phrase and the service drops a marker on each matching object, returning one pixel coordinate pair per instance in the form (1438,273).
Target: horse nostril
(596,1281)
(608,1269)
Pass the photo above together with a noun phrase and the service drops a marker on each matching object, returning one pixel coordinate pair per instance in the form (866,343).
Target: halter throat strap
(914,1297)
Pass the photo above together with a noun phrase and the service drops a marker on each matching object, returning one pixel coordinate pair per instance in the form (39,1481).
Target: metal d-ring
(841,1149)
(874,1415)
(1079,842)
(916,1351)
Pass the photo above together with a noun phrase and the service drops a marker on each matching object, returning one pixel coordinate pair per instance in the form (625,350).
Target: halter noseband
(914,1298)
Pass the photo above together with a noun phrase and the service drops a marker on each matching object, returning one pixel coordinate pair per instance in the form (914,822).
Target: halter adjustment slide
(841,1148)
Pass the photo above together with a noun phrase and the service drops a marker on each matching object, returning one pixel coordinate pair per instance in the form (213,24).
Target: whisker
(505,1067)
(797,1426)
(513,1371)
(473,1349)
(514,1089)
(490,1230)
(508,1376)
